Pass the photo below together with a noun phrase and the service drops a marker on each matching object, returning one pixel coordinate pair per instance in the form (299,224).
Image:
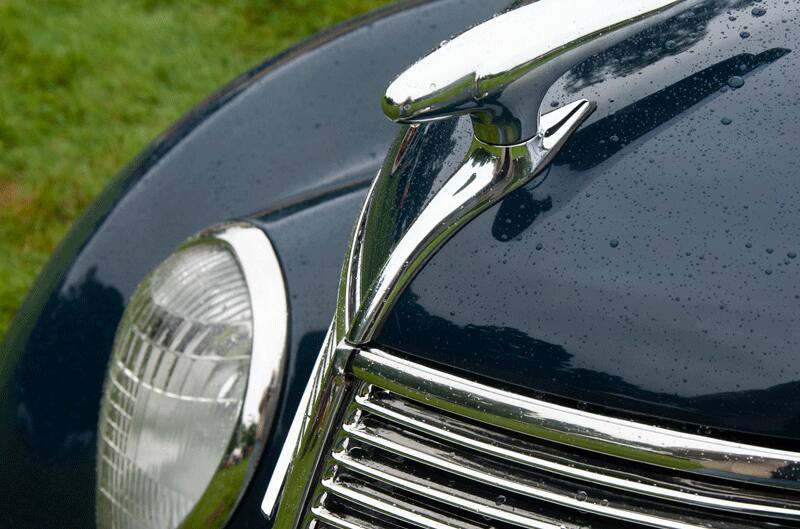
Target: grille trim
(664,486)
(419,448)
(610,436)
(394,507)
(401,480)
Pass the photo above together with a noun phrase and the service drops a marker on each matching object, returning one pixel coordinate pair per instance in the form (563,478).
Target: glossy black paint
(295,135)
(654,271)
(633,277)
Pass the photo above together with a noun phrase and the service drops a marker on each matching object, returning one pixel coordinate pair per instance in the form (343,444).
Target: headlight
(192,384)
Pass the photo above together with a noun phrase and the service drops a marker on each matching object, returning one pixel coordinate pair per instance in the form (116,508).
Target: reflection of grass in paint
(527,427)
(219,495)
(594,445)
(85,84)
(603,447)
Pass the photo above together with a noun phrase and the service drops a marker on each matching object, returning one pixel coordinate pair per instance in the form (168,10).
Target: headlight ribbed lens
(175,389)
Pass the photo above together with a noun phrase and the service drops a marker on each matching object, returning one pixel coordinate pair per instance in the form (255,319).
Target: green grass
(222,492)
(85,84)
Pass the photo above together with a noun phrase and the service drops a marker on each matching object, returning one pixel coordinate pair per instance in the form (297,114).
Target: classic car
(558,288)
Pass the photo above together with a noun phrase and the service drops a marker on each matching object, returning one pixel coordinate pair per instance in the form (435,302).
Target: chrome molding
(502,91)
(488,173)
(264,277)
(620,438)
(421,446)
(667,486)
(316,417)
(499,72)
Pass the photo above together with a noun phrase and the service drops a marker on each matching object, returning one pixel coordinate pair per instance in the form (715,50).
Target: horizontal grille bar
(447,495)
(383,504)
(345,521)
(419,448)
(611,436)
(667,486)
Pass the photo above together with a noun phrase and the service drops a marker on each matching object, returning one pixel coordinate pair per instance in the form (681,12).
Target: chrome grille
(420,448)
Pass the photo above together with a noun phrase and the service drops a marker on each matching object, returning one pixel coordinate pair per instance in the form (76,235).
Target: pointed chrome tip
(391,108)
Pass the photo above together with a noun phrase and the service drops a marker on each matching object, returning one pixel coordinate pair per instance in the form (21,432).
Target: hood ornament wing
(498,73)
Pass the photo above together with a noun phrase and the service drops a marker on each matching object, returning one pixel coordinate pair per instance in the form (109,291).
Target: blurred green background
(86,84)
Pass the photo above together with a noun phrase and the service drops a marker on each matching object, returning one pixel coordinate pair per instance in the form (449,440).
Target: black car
(570,298)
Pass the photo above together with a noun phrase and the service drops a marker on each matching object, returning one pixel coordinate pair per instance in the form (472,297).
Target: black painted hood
(655,270)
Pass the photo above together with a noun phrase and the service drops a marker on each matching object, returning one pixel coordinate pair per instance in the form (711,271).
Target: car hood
(655,270)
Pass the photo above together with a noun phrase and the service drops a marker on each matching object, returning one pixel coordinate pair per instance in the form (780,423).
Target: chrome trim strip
(499,72)
(270,501)
(482,440)
(326,516)
(351,293)
(556,490)
(310,434)
(429,490)
(396,508)
(606,435)
(266,285)
(488,507)
(487,174)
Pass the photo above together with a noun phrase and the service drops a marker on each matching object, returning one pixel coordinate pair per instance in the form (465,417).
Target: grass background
(86,84)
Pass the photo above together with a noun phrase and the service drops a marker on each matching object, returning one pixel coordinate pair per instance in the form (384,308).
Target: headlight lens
(180,408)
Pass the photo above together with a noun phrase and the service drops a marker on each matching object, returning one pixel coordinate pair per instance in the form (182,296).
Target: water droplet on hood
(736,82)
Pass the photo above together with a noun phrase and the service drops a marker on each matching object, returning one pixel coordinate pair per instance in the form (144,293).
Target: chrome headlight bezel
(262,271)
(259,278)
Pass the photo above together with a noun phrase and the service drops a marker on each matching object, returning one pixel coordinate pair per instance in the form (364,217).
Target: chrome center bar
(610,436)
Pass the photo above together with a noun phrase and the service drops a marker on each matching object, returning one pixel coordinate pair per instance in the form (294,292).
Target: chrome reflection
(488,173)
(499,72)
(192,386)
(400,228)
(270,315)
(420,446)
(673,450)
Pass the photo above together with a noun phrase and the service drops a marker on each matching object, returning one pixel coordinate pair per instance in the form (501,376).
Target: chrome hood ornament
(498,73)
(487,174)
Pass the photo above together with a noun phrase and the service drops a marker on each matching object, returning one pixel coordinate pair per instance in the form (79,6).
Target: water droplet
(581,496)
(768,272)
(736,82)
(614,138)
(500,500)
(791,255)
(758,12)
(604,502)
(613,243)
(745,34)
(433,86)
(726,121)
(539,246)
(770,250)
(748,245)
(554,104)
